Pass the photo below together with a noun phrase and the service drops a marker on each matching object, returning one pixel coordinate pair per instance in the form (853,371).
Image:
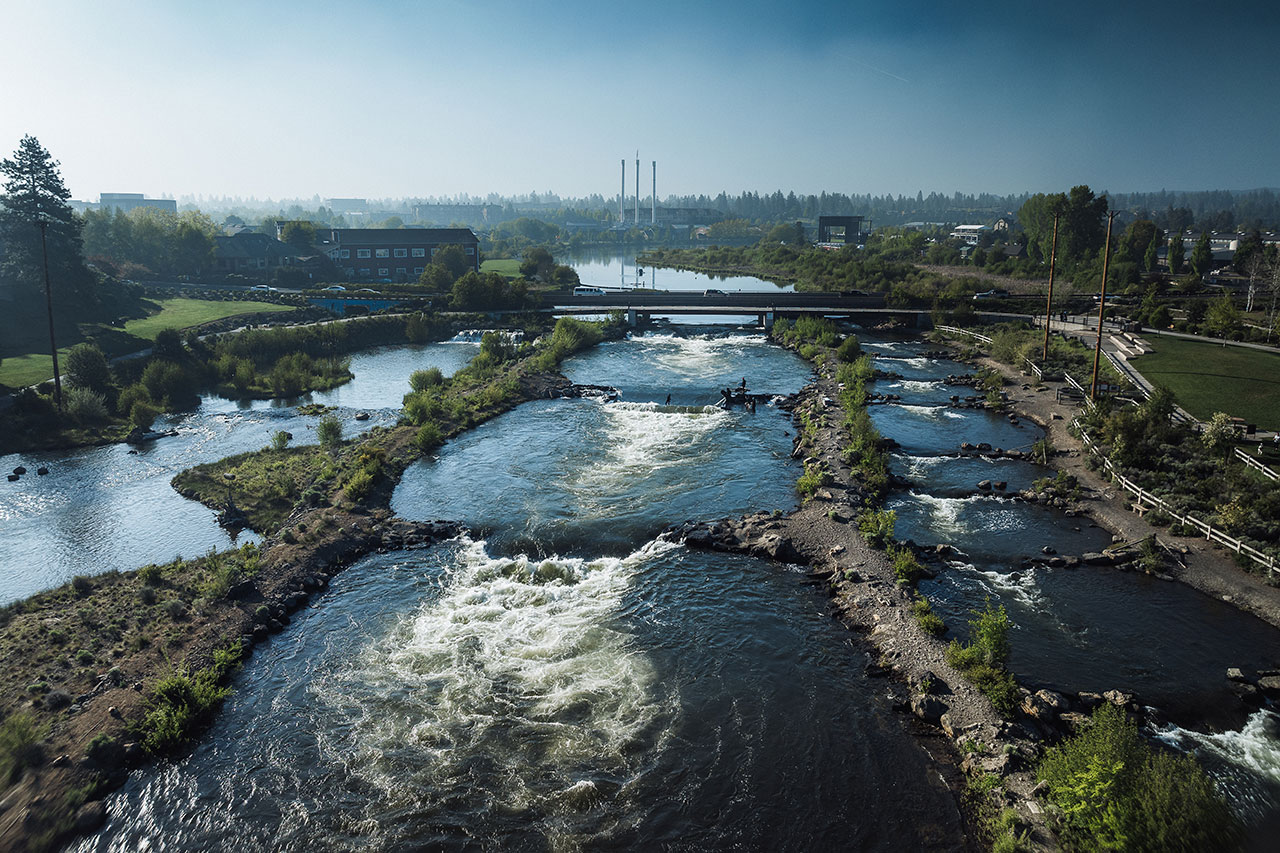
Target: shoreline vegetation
(168,636)
(109,672)
(1039,768)
(107,403)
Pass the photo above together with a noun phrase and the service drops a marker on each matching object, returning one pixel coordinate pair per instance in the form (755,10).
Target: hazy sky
(390,99)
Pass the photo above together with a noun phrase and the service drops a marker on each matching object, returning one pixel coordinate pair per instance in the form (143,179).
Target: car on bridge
(711,291)
(262,288)
(588,291)
(335,288)
(991,294)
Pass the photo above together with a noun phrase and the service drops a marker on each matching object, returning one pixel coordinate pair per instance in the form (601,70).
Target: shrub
(926,618)
(280,440)
(81,584)
(329,432)
(359,485)
(20,737)
(906,566)
(876,526)
(421,380)
(428,438)
(982,660)
(151,574)
(813,477)
(1115,791)
(87,368)
(178,704)
(849,350)
(105,751)
(85,406)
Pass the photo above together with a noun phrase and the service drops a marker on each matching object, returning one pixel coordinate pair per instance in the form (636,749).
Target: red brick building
(395,254)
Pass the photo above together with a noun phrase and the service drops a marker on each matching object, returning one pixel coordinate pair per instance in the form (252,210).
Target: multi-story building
(396,254)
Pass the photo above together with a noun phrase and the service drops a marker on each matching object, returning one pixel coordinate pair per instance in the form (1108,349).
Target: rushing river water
(568,681)
(563,680)
(111,508)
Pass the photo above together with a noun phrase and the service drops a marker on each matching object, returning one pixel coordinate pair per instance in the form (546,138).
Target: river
(564,680)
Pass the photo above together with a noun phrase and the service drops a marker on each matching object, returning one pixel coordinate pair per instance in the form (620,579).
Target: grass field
(19,371)
(509,267)
(1208,378)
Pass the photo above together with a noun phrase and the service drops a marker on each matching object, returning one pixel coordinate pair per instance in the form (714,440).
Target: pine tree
(34,192)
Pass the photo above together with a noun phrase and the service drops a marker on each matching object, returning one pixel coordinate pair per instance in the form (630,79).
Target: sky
(391,99)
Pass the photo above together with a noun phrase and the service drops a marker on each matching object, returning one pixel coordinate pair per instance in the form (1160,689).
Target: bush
(87,368)
(428,438)
(105,751)
(280,440)
(926,618)
(1114,791)
(421,380)
(359,486)
(849,350)
(906,566)
(329,432)
(876,526)
(20,738)
(177,705)
(85,406)
(982,660)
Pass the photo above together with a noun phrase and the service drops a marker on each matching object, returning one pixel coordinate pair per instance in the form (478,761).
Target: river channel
(562,679)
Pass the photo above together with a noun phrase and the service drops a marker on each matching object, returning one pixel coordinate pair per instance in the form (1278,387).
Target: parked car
(262,288)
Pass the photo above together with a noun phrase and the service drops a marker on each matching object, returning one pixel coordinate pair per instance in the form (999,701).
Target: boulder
(1120,698)
(1234,673)
(928,708)
(42,471)
(91,816)
(984,486)
(20,470)
(1270,686)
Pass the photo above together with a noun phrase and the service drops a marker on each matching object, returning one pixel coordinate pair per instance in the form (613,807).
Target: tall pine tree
(34,191)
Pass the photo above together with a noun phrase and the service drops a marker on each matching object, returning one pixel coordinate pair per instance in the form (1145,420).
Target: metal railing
(1145,497)
(956,331)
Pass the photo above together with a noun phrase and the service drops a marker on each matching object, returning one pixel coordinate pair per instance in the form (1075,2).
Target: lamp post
(48,301)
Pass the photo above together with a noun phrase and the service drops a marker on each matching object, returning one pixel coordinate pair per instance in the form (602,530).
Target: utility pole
(1048,305)
(48,300)
(1102,310)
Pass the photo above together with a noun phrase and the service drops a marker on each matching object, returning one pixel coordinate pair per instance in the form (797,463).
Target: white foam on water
(931,412)
(640,439)
(514,686)
(1255,747)
(915,386)
(698,355)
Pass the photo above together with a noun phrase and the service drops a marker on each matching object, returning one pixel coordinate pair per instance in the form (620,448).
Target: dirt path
(1208,568)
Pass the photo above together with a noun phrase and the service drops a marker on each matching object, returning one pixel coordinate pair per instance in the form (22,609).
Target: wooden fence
(1254,463)
(1146,498)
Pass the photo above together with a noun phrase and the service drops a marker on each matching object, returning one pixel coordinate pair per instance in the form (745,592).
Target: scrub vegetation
(1112,790)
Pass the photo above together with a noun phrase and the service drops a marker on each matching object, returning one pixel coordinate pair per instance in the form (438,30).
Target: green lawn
(184,313)
(509,267)
(18,371)
(1208,378)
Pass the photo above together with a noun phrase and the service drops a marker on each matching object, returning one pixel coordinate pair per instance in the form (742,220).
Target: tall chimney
(653,217)
(637,189)
(622,196)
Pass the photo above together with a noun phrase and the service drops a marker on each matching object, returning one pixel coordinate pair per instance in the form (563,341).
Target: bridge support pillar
(766,320)
(632,317)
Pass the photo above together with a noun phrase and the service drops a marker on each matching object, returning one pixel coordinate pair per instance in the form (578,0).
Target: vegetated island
(111,671)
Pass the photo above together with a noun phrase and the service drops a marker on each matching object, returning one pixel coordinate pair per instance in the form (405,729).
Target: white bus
(585,290)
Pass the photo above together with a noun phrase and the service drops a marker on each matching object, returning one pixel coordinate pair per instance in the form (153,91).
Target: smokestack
(653,218)
(637,189)
(622,196)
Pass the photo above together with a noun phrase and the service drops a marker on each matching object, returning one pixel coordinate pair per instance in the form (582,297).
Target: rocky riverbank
(868,597)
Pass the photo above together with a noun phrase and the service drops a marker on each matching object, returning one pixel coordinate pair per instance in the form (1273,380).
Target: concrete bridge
(766,306)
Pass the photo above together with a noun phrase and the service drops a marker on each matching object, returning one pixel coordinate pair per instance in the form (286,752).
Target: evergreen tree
(1201,255)
(1177,254)
(34,192)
